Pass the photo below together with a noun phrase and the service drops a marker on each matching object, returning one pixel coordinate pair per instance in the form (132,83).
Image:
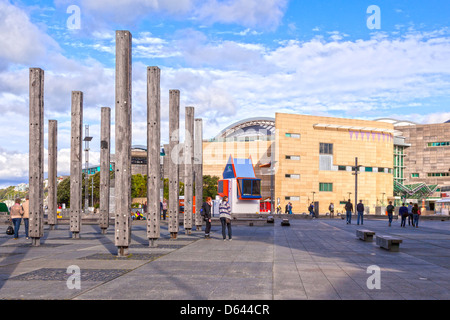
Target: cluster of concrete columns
(191,159)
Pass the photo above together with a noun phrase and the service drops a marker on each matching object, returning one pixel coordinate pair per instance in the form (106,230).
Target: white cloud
(21,41)
(249,13)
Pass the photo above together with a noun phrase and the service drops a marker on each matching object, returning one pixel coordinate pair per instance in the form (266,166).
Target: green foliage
(63,192)
(210,186)
(138,186)
(9,193)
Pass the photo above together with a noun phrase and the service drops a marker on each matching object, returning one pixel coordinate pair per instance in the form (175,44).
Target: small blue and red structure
(241,186)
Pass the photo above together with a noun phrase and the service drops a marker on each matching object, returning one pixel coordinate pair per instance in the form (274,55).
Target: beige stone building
(315,157)
(427,159)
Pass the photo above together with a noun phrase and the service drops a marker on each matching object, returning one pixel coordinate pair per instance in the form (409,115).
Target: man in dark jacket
(390,211)
(360,210)
(349,210)
(206,208)
(403,212)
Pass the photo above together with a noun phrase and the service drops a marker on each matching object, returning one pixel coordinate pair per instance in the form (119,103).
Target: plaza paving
(310,259)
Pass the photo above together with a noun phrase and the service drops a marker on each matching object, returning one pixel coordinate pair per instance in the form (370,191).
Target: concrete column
(198,170)
(188,169)
(123,143)
(105,160)
(36,155)
(173,160)
(153,153)
(52,172)
(75,163)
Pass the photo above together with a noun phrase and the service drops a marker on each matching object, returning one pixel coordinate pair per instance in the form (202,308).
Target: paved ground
(310,259)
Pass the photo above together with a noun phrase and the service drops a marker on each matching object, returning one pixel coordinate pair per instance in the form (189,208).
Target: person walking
(349,210)
(311,210)
(416,214)
(403,212)
(206,207)
(290,208)
(164,208)
(410,214)
(26,215)
(225,217)
(331,209)
(360,210)
(390,211)
(16,216)
(279,209)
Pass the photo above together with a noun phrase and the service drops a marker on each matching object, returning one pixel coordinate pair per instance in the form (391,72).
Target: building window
(368,169)
(293,135)
(414,175)
(439,174)
(439,144)
(328,187)
(292,198)
(293,157)
(326,148)
(292,176)
(342,168)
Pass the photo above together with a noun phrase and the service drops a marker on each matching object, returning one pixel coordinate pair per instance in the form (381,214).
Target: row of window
(432,174)
(439,144)
(323,186)
(439,174)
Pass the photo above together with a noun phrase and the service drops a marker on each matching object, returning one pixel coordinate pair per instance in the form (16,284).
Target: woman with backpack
(16,217)
(206,211)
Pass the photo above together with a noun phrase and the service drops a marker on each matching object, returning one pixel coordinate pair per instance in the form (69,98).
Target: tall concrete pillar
(188,169)
(153,154)
(198,171)
(173,160)
(75,163)
(123,143)
(105,160)
(52,172)
(36,155)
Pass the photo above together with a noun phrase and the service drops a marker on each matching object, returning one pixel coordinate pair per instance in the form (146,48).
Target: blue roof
(242,167)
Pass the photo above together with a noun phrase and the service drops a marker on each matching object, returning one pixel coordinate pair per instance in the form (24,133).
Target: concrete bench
(389,243)
(285,222)
(365,235)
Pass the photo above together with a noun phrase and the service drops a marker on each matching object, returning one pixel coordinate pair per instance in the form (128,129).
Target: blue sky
(230,59)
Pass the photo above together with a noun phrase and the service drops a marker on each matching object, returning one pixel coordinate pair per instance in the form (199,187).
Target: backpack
(10,230)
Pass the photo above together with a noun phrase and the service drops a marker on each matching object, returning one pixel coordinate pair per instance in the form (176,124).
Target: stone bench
(285,222)
(365,235)
(389,243)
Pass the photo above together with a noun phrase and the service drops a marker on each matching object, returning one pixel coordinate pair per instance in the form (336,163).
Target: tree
(63,192)
(138,186)
(210,186)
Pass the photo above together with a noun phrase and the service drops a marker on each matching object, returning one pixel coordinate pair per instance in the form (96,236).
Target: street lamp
(86,140)
(356,179)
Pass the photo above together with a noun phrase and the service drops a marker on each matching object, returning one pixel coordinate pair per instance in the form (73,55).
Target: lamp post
(356,179)
(86,140)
